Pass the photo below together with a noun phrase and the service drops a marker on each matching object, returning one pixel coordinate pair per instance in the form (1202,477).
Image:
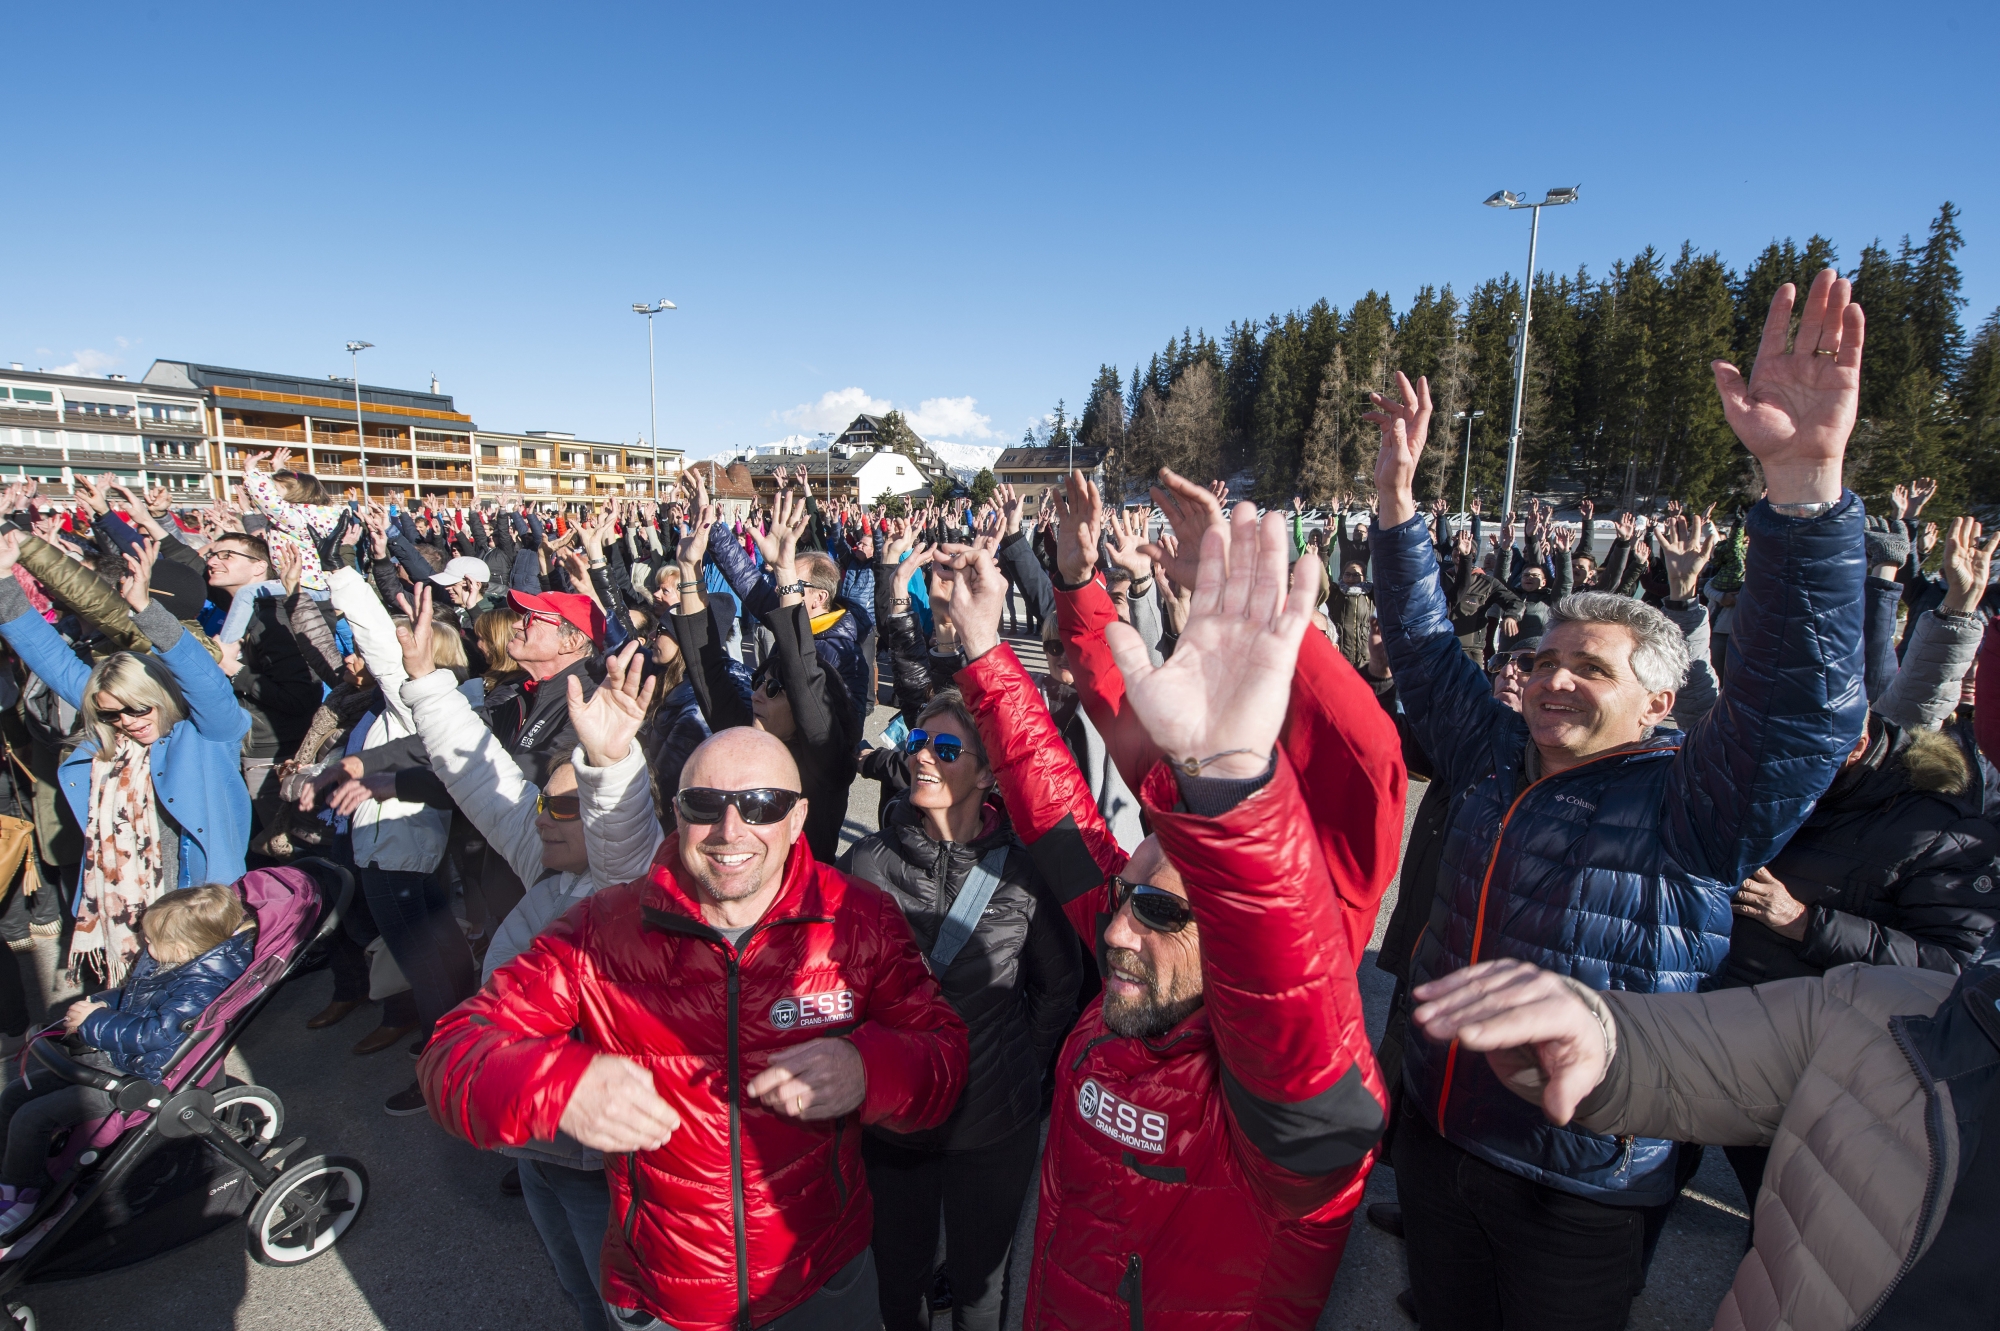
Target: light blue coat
(197,766)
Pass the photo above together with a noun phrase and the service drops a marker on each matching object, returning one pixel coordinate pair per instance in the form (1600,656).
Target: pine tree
(983,486)
(1979,410)
(1319,478)
(1935,299)
(1107,381)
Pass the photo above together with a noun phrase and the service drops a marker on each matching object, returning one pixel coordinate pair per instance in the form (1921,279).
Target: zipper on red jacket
(1130,1290)
(1479,917)
(735,988)
(632,1201)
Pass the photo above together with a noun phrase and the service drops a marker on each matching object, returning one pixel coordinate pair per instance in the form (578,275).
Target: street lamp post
(652,389)
(354,350)
(1508,199)
(1465,471)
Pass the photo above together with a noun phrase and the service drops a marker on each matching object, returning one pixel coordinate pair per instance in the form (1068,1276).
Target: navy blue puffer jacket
(1618,871)
(146,1020)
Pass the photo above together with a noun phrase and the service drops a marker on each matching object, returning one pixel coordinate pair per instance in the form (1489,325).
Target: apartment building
(56,426)
(402,444)
(555,464)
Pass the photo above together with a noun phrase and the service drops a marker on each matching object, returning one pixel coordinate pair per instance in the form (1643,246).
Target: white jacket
(388,834)
(621,834)
(621,831)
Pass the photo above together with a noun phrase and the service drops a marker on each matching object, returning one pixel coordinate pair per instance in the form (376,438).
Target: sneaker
(510,1182)
(1406,1301)
(404,1103)
(19,1208)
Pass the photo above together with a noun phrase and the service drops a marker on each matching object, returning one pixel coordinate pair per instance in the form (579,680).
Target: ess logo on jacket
(1120,1119)
(813,1009)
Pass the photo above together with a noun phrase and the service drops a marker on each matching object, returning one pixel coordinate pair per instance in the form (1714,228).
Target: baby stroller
(193,1152)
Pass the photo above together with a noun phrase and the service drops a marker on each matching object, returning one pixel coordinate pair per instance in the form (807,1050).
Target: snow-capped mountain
(966,460)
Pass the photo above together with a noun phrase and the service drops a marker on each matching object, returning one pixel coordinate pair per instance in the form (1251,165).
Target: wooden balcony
(272,434)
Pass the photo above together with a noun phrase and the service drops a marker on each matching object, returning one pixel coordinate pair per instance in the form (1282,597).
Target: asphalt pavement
(438,1248)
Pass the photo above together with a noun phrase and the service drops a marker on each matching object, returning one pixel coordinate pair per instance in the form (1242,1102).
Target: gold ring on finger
(1822,351)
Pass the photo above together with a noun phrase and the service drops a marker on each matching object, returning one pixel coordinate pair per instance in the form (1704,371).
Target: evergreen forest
(1620,403)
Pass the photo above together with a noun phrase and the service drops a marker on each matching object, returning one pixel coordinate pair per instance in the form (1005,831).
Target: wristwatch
(791,587)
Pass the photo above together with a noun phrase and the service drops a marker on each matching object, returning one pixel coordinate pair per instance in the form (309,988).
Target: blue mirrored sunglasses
(946,747)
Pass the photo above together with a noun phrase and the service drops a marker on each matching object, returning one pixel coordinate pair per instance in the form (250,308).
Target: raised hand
(1922,493)
(86,490)
(1686,548)
(290,562)
(1190,510)
(1967,566)
(1626,526)
(1082,512)
(415,637)
(1929,540)
(281,458)
(137,584)
(608,723)
(376,519)
(977,596)
(1217,704)
(1011,505)
(1797,409)
(1538,1030)
(1405,422)
(1899,500)
(1126,535)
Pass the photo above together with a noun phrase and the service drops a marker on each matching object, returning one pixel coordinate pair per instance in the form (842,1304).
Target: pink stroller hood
(286,902)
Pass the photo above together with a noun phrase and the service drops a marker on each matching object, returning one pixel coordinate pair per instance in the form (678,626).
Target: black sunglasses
(134,712)
(1155,907)
(1522,661)
(702,806)
(946,747)
(773,686)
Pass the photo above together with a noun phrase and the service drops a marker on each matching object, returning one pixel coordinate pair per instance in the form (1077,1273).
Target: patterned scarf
(123,872)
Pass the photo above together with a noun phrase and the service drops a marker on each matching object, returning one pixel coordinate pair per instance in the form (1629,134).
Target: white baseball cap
(461,568)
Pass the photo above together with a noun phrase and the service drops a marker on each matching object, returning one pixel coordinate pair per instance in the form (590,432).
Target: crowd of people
(1705,856)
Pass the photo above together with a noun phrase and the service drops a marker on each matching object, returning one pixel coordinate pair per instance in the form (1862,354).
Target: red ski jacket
(742,1214)
(1204,1178)
(1350,770)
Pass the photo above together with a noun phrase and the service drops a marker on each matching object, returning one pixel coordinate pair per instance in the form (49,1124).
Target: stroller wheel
(250,1114)
(307,1210)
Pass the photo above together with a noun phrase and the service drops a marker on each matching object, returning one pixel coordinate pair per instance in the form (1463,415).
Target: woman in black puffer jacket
(1899,865)
(1014,980)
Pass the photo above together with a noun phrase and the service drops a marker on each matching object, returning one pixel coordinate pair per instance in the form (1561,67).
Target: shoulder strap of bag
(965,912)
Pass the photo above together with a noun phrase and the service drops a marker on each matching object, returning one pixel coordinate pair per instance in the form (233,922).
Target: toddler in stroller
(197,941)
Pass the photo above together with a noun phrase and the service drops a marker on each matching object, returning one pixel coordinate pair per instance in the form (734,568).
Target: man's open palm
(1798,407)
(1225,689)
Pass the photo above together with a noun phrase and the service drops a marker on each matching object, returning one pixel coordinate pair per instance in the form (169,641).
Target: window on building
(489,452)
(39,397)
(168,413)
(116,411)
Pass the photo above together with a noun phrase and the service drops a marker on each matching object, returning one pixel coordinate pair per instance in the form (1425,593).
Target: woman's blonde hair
(495,629)
(135,681)
(182,925)
(447,648)
(301,487)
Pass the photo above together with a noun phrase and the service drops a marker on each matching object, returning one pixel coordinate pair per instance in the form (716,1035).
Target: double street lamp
(652,389)
(1506,198)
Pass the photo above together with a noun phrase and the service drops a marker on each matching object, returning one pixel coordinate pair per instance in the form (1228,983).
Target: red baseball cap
(572,607)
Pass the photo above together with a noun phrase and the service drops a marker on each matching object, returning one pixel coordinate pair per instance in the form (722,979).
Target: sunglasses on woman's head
(946,747)
(562,808)
(1155,907)
(703,806)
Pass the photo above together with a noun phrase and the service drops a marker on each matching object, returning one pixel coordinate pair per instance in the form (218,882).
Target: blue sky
(957,210)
